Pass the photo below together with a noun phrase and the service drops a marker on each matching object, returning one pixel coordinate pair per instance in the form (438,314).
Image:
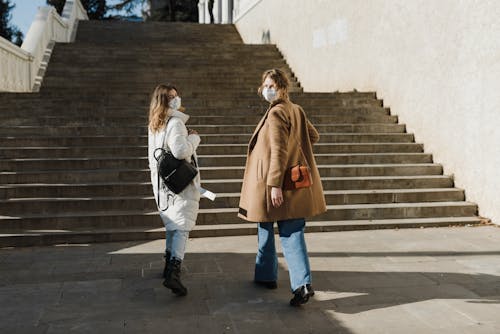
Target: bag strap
(157,172)
(300,143)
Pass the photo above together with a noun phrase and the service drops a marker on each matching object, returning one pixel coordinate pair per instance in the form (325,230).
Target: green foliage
(172,10)
(177,10)
(8,31)
(96,9)
(128,5)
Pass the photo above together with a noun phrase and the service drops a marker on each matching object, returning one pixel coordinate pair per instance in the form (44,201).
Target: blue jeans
(294,248)
(176,243)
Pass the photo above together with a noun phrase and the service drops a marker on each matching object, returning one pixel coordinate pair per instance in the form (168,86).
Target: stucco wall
(435,63)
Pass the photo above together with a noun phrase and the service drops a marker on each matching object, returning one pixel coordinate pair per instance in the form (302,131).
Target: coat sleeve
(313,133)
(311,130)
(151,149)
(180,144)
(279,131)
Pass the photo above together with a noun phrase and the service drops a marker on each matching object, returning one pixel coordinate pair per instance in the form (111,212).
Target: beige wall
(435,63)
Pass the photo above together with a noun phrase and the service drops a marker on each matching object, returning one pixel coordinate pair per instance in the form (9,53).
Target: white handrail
(22,68)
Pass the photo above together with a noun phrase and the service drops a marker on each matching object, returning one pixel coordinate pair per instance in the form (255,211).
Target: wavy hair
(280,79)
(158,108)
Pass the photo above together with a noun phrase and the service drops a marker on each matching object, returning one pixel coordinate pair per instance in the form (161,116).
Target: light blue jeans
(176,243)
(294,248)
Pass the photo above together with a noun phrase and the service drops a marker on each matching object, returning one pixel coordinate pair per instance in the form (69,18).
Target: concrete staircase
(73,158)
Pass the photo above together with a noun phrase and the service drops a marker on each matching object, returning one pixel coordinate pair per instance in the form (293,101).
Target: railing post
(22,68)
(201,11)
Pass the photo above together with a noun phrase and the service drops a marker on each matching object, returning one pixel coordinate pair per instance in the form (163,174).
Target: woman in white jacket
(177,211)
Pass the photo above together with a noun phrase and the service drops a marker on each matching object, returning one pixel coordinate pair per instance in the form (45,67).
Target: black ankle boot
(301,295)
(173,278)
(167,261)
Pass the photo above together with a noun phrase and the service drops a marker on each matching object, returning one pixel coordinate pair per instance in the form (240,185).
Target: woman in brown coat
(282,140)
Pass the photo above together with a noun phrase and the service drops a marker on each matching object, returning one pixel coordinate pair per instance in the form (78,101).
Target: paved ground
(442,281)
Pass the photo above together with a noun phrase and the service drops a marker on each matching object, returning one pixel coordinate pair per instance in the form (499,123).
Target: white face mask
(175,103)
(269,94)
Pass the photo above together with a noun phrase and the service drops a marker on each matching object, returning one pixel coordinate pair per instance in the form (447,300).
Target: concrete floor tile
(425,281)
(111,326)
(436,314)
(360,280)
(483,311)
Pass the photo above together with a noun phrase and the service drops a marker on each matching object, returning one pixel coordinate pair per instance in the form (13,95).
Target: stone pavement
(444,280)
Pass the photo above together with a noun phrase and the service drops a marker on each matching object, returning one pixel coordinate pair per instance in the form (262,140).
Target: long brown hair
(280,79)
(159,106)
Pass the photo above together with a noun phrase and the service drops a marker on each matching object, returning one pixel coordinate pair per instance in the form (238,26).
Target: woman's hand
(276,197)
(192,132)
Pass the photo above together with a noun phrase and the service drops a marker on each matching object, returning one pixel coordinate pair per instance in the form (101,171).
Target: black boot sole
(300,299)
(176,289)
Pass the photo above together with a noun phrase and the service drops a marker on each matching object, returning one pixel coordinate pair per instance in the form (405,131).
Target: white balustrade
(22,68)
(223,11)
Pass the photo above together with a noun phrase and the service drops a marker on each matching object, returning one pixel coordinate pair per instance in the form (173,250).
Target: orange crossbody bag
(297,177)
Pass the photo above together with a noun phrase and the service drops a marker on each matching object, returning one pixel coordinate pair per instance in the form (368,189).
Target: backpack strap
(157,172)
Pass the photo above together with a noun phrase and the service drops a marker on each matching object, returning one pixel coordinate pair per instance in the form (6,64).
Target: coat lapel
(253,140)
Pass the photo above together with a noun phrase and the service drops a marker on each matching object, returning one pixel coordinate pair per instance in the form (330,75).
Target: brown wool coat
(272,150)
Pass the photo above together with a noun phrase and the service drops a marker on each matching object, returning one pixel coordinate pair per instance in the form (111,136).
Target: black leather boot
(167,261)
(173,278)
(301,295)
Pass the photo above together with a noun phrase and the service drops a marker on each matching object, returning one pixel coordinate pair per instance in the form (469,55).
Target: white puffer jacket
(183,207)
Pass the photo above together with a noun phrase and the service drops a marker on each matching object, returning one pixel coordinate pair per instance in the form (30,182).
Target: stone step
(350,183)
(208,173)
(226,109)
(134,64)
(166,49)
(326,158)
(124,188)
(75,190)
(210,105)
(322,148)
(339,226)
(46,164)
(134,218)
(203,149)
(87,130)
(229,109)
(57,164)
(205,138)
(22,238)
(353,138)
(147,87)
(124,32)
(118,78)
(142,97)
(195,120)
(339,197)
(360,211)
(75,176)
(224,200)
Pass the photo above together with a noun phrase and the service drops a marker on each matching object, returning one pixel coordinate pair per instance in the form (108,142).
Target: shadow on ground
(108,287)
